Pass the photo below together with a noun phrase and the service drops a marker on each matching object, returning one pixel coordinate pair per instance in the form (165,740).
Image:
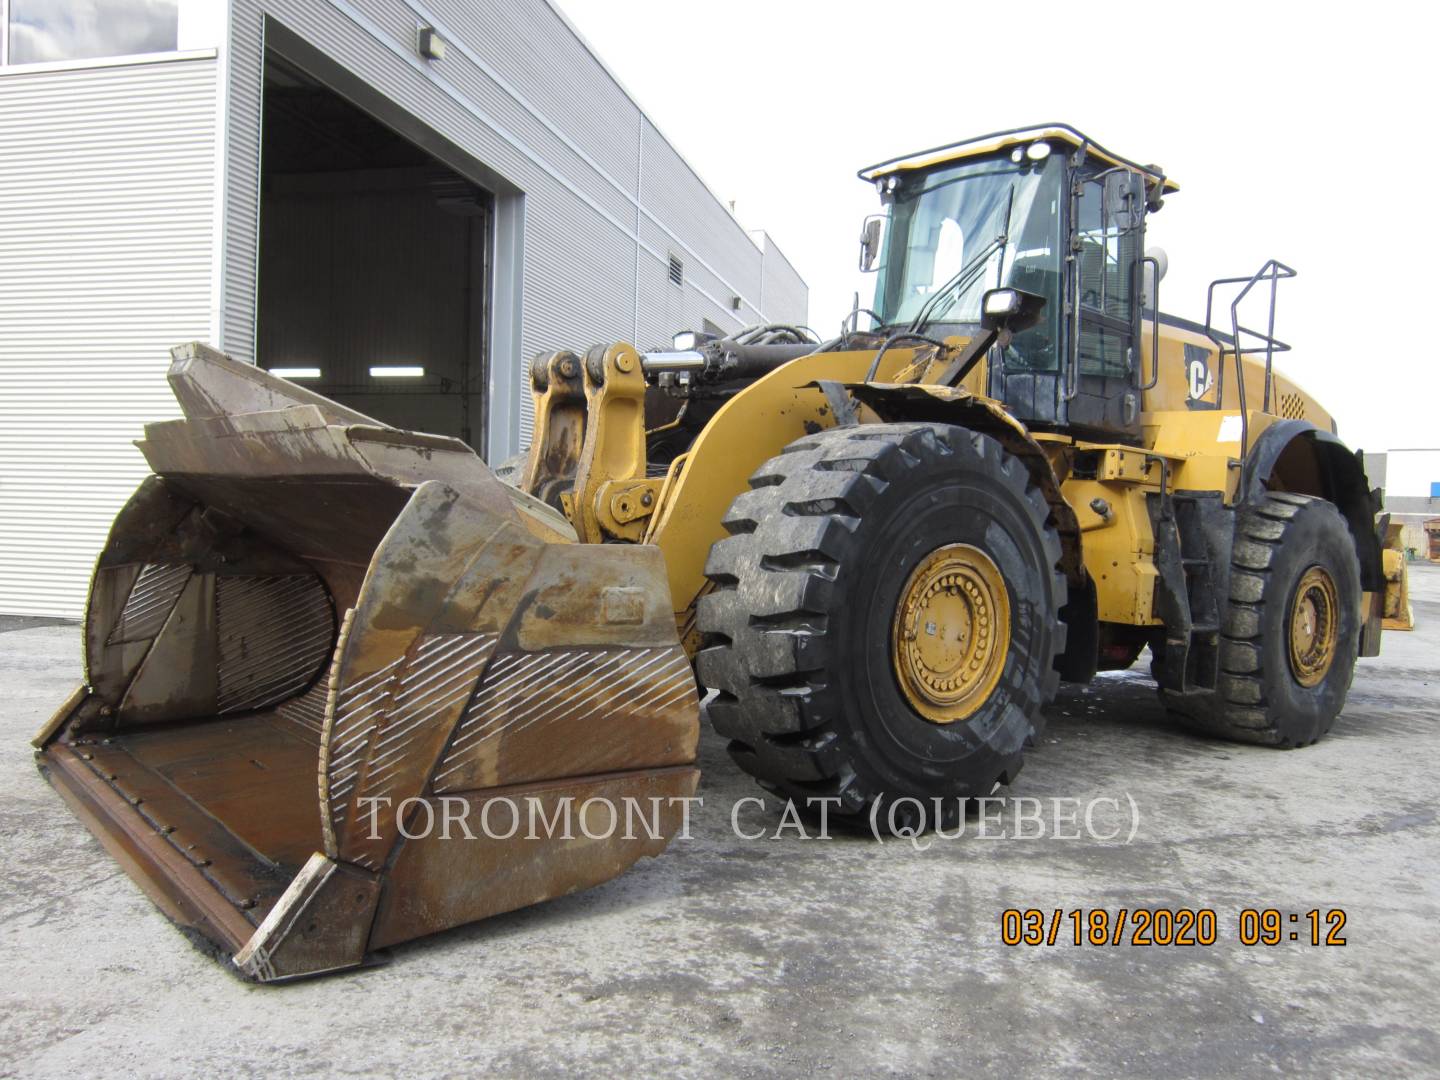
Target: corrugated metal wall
(106,200)
(781,287)
(111,243)
(607,200)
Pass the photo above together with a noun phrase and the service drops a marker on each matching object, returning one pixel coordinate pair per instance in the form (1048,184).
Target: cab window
(1108,247)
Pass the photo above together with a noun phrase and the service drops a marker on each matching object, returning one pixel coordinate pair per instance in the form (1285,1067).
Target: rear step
(308,635)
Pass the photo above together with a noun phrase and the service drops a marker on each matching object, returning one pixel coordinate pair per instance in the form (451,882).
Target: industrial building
(396,201)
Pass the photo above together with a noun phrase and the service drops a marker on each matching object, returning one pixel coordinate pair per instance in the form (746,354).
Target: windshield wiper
(959,285)
(961,282)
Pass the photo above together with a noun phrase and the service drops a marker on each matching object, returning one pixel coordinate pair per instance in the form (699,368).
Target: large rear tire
(883,624)
(1290,628)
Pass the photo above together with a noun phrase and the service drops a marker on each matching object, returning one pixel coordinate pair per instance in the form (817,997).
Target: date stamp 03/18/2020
(1169,926)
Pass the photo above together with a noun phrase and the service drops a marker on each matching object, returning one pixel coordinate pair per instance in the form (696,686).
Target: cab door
(1107,240)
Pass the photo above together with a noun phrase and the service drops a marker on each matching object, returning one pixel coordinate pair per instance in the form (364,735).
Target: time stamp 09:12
(1168,926)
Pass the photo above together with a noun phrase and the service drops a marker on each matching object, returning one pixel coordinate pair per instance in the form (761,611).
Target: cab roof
(1000,140)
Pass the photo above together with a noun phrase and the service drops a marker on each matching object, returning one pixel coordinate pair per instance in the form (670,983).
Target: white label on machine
(1230,429)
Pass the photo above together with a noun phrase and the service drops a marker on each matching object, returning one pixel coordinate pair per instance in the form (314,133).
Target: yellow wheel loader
(335,673)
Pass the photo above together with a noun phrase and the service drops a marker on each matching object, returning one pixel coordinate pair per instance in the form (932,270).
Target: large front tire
(883,623)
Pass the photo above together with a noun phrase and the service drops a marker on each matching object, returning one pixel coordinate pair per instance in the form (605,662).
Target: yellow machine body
(1199,449)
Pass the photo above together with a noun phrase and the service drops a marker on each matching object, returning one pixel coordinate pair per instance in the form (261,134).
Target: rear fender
(1296,456)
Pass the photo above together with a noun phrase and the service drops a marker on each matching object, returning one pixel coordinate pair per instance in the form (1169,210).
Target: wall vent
(677,271)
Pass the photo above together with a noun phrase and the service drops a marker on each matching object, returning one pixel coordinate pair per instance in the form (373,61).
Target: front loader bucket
(343,688)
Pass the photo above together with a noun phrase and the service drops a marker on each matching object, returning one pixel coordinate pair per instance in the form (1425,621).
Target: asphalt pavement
(763,955)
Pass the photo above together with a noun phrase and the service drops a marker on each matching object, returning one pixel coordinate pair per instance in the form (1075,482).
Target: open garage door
(374,272)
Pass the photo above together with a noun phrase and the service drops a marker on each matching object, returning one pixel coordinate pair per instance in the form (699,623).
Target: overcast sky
(1294,133)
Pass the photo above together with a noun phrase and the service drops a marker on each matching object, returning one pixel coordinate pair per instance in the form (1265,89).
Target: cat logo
(1197,371)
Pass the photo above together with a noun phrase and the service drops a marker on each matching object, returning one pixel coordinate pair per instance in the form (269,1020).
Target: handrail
(1154,323)
(1273,271)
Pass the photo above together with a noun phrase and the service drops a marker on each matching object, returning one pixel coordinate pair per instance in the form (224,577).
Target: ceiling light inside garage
(391,371)
(296,372)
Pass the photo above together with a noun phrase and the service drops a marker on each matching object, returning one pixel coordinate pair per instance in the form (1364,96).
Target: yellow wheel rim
(951,633)
(1314,626)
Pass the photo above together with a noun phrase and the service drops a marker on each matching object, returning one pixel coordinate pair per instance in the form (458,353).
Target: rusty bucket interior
(329,664)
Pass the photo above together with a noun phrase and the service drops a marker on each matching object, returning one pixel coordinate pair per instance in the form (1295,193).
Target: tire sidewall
(1317,536)
(975,495)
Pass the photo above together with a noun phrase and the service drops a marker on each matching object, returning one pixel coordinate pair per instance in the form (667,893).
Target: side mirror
(871,234)
(1009,311)
(1124,199)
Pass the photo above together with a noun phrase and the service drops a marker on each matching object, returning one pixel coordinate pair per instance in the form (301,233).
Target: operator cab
(1045,210)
